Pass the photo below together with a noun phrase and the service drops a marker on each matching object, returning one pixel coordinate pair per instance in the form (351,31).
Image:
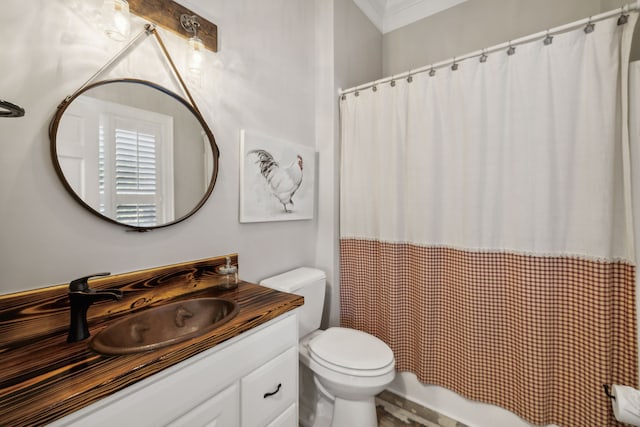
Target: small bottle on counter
(231,274)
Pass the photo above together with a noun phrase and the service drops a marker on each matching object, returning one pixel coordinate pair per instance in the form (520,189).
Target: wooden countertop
(43,378)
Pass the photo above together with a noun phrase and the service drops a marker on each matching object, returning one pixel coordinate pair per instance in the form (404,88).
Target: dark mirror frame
(53,129)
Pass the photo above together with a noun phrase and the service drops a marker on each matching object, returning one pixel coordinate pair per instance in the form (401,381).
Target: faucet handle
(81,285)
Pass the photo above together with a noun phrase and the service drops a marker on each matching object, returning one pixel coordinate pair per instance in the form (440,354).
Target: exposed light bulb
(115,16)
(195,55)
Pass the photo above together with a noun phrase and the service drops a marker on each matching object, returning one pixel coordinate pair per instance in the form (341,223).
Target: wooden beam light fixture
(169,15)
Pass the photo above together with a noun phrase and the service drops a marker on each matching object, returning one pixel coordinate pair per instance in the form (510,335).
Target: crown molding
(389,15)
(374,10)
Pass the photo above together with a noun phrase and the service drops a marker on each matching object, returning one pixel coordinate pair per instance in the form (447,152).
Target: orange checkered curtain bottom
(487,230)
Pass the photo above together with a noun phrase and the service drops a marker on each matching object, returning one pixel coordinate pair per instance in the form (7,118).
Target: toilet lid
(352,349)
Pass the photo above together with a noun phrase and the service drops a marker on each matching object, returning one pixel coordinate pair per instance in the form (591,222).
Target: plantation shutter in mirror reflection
(138,215)
(136,175)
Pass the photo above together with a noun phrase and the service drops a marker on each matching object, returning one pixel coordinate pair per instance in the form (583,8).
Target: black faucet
(80,298)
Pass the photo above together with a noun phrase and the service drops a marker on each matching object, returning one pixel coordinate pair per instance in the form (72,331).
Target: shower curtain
(486,230)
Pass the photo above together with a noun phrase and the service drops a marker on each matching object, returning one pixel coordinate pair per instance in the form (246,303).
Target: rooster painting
(283,182)
(273,175)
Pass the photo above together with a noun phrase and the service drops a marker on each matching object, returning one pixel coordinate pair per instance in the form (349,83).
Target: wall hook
(8,109)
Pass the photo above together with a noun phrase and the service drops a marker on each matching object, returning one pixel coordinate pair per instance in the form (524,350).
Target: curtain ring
(454,66)
(589,27)
(374,88)
(432,72)
(511,49)
(357,93)
(483,57)
(548,39)
(393,81)
(623,19)
(343,97)
(409,77)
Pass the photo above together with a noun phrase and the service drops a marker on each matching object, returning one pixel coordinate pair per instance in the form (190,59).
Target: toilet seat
(351,352)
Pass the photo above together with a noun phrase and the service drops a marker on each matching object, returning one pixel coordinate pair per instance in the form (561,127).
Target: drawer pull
(273,392)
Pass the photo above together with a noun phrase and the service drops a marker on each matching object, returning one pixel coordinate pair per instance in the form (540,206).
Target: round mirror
(134,153)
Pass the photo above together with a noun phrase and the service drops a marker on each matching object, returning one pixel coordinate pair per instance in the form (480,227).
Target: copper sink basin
(164,325)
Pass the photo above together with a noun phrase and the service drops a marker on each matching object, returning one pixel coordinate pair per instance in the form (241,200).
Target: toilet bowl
(341,369)
(350,368)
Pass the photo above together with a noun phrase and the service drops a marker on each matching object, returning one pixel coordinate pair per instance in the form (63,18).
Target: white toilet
(341,369)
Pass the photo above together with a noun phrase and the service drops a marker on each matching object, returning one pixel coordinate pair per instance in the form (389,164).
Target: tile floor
(395,411)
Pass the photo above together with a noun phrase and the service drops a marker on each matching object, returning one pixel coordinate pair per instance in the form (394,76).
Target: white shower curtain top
(525,152)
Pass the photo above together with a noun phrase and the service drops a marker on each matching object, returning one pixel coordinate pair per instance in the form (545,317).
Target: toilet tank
(308,282)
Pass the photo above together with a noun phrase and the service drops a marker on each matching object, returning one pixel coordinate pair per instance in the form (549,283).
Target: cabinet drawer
(288,419)
(221,410)
(270,390)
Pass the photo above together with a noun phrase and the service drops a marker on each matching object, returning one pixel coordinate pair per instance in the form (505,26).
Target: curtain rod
(542,35)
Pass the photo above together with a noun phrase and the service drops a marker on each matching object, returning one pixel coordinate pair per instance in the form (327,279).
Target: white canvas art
(277,179)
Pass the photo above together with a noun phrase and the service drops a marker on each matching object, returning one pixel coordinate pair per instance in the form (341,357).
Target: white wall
(349,50)
(478,24)
(262,79)
(358,46)
(327,255)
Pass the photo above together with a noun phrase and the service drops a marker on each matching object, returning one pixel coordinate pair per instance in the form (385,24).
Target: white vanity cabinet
(248,381)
